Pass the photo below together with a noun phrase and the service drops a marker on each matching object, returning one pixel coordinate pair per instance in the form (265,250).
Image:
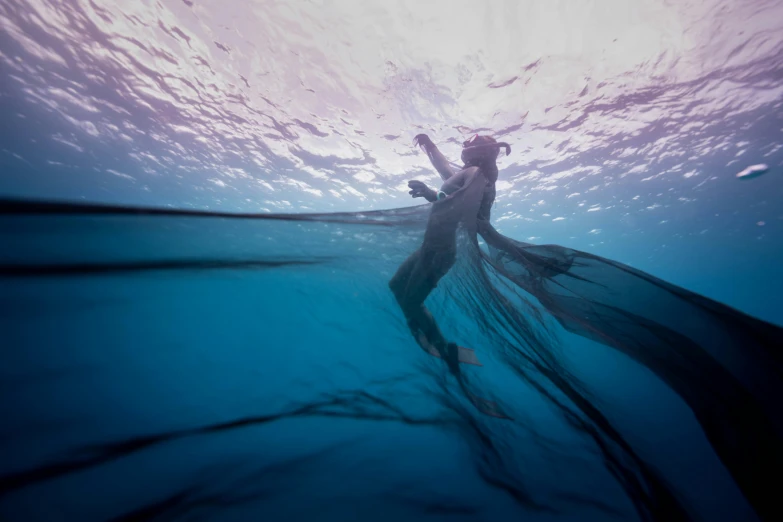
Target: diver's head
(482,151)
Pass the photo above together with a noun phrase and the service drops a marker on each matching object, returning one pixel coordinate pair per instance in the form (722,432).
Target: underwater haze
(202,204)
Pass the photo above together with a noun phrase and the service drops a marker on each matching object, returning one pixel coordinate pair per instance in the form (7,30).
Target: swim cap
(480,149)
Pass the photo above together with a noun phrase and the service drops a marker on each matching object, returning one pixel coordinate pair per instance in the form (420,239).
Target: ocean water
(107,344)
(250,362)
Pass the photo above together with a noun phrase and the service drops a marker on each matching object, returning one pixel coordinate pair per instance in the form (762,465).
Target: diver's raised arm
(437,158)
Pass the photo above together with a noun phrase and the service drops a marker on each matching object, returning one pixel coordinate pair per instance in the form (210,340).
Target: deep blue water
(99,358)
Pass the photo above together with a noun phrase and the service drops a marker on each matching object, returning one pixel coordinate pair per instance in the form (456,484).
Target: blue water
(92,360)
(101,358)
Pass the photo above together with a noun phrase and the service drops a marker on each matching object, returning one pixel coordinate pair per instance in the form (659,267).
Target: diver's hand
(420,190)
(423,141)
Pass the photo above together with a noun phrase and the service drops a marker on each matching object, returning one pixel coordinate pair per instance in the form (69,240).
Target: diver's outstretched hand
(423,141)
(419,190)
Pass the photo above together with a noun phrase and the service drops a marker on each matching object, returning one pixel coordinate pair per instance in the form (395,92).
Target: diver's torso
(468,188)
(487,201)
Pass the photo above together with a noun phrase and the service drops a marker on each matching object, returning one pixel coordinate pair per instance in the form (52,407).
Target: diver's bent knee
(395,286)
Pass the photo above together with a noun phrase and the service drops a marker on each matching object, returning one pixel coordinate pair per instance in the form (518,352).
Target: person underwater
(724,364)
(466,196)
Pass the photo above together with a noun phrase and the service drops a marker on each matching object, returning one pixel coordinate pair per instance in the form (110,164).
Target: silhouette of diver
(465,197)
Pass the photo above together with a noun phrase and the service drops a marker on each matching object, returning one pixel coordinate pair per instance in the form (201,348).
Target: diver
(466,197)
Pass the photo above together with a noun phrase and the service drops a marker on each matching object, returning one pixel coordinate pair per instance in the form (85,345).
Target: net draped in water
(724,364)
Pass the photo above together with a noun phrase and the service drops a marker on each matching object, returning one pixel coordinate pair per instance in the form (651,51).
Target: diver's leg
(411,285)
(413,282)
